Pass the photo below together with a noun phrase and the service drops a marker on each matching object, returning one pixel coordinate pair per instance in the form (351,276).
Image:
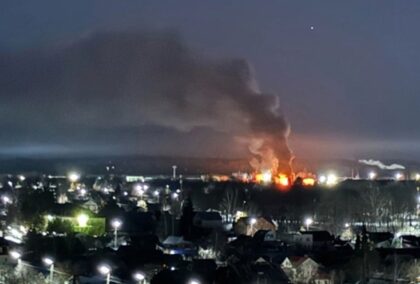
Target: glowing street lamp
(252,221)
(16,255)
(83,192)
(194,281)
(106,271)
(116,224)
(372,175)
(331,180)
(398,176)
(50,262)
(6,199)
(322,179)
(138,276)
(73,177)
(82,220)
(308,221)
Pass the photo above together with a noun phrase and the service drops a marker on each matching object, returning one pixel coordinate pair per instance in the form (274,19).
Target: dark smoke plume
(133,79)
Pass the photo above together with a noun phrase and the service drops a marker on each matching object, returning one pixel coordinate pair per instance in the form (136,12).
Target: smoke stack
(174,171)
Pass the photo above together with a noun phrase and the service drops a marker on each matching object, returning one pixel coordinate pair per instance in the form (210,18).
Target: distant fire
(266,177)
(284,181)
(308,181)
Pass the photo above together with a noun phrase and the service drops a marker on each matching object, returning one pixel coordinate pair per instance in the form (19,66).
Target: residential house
(208,219)
(301,269)
(314,240)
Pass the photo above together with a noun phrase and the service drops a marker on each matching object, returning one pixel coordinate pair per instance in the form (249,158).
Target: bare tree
(229,204)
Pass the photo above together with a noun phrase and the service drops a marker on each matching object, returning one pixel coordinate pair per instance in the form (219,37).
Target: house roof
(298,260)
(319,236)
(208,216)
(174,240)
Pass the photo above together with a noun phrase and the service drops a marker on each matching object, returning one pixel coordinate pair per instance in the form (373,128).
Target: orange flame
(308,181)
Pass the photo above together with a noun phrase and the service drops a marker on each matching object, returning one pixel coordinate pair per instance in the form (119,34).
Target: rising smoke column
(125,79)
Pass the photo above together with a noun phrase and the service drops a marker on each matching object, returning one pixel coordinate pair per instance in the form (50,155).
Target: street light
(308,221)
(252,222)
(139,276)
(105,270)
(82,220)
(15,254)
(372,175)
(6,199)
(73,177)
(194,281)
(116,224)
(50,262)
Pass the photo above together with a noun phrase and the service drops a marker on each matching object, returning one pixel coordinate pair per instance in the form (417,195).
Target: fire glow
(267,177)
(281,180)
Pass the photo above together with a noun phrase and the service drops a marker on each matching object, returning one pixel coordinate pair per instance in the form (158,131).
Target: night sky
(346,74)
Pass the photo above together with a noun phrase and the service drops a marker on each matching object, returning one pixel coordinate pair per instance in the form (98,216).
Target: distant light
(372,175)
(309,221)
(48,261)
(83,192)
(116,224)
(194,281)
(140,192)
(346,225)
(172,252)
(104,269)
(21,177)
(331,180)
(398,176)
(322,179)
(6,199)
(175,195)
(252,221)
(82,220)
(156,193)
(417,177)
(139,276)
(73,176)
(145,187)
(312,28)
(50,217)
(15,254)
(172,268)
(125,193)
(139,187)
